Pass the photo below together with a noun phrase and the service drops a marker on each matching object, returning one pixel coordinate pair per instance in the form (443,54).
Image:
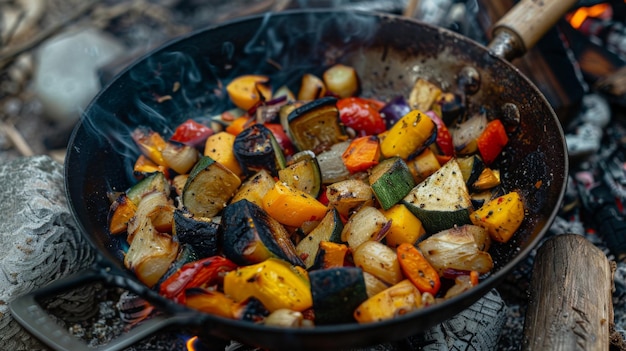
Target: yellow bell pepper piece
(245,91)
(219,147)
(405,227)
(274,282)
(292,207)
(407,135)
(398,299)
(500,216)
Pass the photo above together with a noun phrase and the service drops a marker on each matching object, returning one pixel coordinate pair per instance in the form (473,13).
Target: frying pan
(389,53)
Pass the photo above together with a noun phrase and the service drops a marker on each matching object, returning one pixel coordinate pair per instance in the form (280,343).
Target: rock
(39,243)
(66,77)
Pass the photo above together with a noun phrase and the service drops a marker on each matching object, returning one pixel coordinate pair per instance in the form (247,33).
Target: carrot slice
(361,154)
(417,269)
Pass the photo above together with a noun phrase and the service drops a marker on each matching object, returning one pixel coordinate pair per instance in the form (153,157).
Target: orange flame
(579,16)
(190,343)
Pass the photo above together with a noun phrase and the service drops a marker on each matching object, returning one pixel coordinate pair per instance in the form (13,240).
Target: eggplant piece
(336,293)
(316,126)
(303,173)
(250,309)
(201,234)
(256,148)
(252,236)
(209,188)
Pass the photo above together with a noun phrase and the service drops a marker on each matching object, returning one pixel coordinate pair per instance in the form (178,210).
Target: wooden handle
(528,21)
(570,304)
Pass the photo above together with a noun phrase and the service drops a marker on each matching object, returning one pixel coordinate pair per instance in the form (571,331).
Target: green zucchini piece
(256,148)
(201,233)
(209,188)
(471,167)
(442,200)
(391,180)
(329,229)
(154,182)
(252,236)
(336,293)
(316,126)
(303,173)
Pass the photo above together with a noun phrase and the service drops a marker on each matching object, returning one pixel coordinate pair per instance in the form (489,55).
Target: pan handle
(34,318)
(522,26)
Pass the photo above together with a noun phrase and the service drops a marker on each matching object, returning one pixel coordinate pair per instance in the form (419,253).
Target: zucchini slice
(316,126)
(209,188)
(471,167)
(442,200)
(252,236)
(336,293)
(303,173)
(329,229)
(155,182)
(256,148)
(391,180)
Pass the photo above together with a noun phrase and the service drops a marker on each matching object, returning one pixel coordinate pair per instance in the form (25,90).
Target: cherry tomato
(191,133)
(281,138)
(361,115)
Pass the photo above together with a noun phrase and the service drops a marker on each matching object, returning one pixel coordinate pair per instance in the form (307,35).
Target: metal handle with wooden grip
(522,26)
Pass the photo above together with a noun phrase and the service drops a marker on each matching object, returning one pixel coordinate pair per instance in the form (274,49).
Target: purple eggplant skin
(395,109)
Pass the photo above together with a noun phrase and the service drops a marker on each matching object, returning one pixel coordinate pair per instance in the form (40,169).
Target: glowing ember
(578,17)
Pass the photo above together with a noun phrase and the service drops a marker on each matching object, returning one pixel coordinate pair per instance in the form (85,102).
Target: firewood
(570,306)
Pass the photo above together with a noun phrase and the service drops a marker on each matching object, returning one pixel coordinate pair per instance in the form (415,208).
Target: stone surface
(39,243)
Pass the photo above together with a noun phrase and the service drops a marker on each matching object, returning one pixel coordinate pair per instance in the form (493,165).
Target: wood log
(570,306)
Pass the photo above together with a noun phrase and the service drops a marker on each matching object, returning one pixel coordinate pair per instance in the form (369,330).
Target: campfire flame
(190,343)
(578,17)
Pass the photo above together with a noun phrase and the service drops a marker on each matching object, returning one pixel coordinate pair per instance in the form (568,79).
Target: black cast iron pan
(389,53)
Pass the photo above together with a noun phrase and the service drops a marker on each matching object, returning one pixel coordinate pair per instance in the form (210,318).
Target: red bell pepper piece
(491,141)
(191,133)
(444,138)
(282,138)
(361,115)
(205,272)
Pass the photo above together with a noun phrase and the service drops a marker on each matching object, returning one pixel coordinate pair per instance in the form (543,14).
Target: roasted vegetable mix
(322,209)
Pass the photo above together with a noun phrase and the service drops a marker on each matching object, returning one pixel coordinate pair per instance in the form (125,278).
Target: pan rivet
(469,80)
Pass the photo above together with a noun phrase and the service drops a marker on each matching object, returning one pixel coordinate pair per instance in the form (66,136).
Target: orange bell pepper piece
(292,207)
(417,269)
(240,123)
(361,154)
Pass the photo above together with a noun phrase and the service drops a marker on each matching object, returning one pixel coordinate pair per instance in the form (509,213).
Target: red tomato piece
(491,141)
(191,133)
(361,115)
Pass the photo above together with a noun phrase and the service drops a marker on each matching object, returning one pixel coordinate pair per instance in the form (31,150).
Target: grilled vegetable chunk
(256,148)
(329,229)
(316,126)
(391,180)
(501,216)
(442,200)
(398,299)
(151,251)
(461,248)
(252,236)
(274,282)
(209,188)
(202,234)
(336,293)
